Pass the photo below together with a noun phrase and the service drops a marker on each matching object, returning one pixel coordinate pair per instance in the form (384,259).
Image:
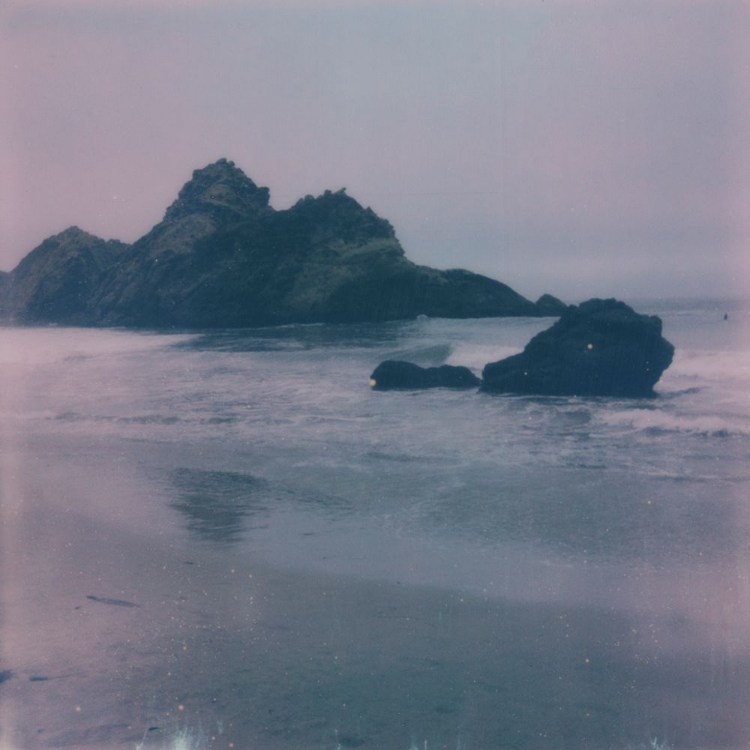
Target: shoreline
(229,644)
(281,659)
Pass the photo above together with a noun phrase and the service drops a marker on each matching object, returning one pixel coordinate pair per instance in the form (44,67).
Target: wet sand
(248,655)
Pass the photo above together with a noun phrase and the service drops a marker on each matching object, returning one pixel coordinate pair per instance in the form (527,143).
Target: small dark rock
(598,348)
(5,675)
(396,374)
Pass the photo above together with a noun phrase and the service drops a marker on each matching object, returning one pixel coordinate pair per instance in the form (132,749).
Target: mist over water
(314,564)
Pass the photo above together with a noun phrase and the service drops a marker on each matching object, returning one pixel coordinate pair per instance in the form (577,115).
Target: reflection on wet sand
(261,656)
(219,506)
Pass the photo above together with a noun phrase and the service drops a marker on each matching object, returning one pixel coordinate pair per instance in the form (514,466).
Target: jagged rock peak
(74,233)
(222,190)
(71,242)
(341,213)
(71,239)
(75,237)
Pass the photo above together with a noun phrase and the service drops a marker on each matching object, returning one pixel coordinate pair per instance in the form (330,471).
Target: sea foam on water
(316,562)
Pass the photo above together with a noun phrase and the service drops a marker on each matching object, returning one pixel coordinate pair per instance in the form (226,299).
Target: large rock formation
(223,257)
(56,281)
(599,348)
(398,375)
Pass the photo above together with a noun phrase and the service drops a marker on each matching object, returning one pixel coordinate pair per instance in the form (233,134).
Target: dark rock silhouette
(223,257)
(599,348)
(399,375)
(56,281)
(4,292)
(549,305)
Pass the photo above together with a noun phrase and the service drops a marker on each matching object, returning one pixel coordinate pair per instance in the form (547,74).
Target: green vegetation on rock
(223,257)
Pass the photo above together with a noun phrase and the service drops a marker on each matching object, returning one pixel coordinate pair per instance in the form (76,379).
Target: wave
(709,366)
(41,346)
(143,419)
(476,356)
(655,422)
(435,354)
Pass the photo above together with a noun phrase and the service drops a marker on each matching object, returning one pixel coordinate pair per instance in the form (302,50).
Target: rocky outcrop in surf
(598,348)
(223,257)
(400,375)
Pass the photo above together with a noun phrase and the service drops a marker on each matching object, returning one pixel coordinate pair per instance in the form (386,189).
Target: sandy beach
(120,631)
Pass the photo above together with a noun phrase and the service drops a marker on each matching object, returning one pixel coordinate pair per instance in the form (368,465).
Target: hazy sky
(585,148)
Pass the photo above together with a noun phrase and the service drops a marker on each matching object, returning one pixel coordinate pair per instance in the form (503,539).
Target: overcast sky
(584,148)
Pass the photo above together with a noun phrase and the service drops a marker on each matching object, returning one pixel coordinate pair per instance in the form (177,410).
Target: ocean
(226,539)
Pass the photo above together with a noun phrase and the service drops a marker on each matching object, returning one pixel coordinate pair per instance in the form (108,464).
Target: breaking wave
(659,422)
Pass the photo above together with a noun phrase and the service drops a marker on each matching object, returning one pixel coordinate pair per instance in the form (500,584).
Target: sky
(578,147)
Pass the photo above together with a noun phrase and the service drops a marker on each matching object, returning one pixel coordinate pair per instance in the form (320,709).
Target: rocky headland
(223,257)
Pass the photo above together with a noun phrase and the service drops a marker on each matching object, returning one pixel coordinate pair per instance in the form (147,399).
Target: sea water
(315,564)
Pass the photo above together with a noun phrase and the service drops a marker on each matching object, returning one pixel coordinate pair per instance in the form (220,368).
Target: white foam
(33,346)
(476,356)
(710,365)
(658,420)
